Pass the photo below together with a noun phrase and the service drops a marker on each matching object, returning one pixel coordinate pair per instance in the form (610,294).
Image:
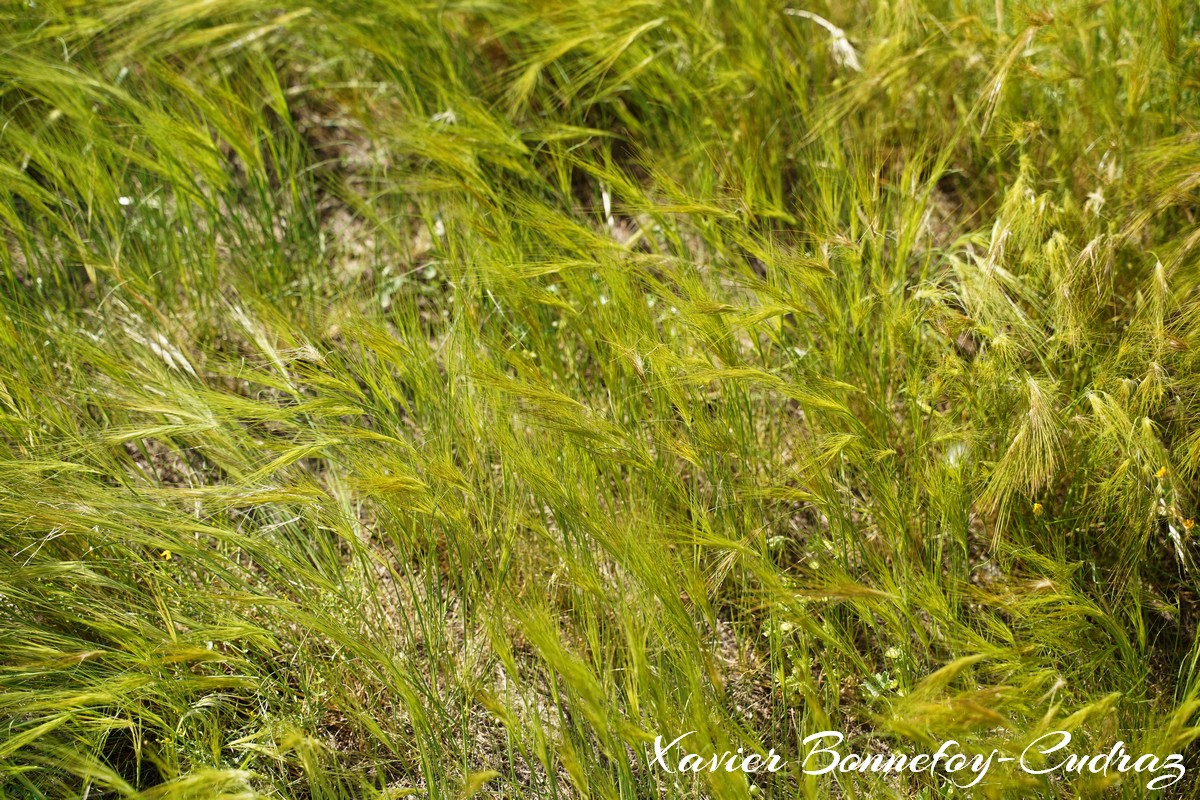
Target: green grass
(448,398)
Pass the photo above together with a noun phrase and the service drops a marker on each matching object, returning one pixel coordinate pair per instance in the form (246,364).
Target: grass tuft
(445,399)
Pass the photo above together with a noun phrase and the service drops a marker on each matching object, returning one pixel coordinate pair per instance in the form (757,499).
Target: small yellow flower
(1189,523)
(1037,509)
(166,555)
(1162,472)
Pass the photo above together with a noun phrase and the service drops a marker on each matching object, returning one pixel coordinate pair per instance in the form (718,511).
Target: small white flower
(125,201)
(448,117)
(955,454)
